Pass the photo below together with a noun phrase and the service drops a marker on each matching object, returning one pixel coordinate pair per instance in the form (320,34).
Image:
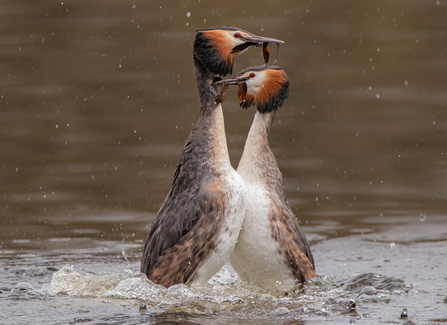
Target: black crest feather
(208,53)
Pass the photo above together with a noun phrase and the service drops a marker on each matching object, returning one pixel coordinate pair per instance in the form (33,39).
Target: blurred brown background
(97,99)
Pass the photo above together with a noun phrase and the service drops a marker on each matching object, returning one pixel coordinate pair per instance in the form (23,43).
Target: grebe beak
(256,41)
(233,81)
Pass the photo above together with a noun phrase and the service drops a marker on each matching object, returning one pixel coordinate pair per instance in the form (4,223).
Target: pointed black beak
(254,40)
(259,40)
(232,81)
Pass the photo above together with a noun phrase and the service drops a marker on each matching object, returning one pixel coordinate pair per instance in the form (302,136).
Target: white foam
(225,291)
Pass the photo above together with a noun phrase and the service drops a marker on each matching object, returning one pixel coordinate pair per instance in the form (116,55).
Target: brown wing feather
(180,263)
(292,240)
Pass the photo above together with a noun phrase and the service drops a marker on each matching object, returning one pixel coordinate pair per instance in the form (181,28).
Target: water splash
(68,281)
(226,292)
(125,257)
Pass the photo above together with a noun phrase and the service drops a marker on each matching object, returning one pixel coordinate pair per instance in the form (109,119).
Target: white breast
(257,258)
(230,229)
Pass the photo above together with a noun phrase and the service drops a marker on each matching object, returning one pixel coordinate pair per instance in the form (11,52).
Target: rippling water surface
(97,99)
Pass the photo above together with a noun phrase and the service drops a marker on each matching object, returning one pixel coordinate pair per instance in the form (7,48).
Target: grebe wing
(184,228)
(292,240)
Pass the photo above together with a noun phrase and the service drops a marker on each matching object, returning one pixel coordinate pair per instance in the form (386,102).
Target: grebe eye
(252,75)
(237,35)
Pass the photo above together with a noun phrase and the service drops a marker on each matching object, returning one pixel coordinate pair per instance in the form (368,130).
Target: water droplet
(188,14)
(281,311)
(134,6)
(422,217)
(377,95)
(405,83)
(404,313)
(143,307)
(369,290)
(393,245)
(24,286)
(438,2)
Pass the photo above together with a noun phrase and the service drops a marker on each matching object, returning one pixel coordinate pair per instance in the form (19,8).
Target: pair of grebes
(214,214)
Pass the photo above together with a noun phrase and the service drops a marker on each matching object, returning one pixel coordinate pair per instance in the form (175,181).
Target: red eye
(252,75)
(237,35)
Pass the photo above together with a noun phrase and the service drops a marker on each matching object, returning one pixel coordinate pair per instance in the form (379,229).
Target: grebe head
(266,87)
(216,47)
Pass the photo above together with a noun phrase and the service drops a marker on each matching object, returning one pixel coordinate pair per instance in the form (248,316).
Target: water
(97,99)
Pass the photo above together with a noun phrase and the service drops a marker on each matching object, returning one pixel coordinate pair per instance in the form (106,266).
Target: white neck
(217,130)
(257,155)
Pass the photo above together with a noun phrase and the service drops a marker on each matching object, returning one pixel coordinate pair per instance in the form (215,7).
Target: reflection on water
(97,99)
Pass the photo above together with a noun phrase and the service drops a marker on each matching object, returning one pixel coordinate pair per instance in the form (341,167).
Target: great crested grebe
(272,250)
(198,223)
